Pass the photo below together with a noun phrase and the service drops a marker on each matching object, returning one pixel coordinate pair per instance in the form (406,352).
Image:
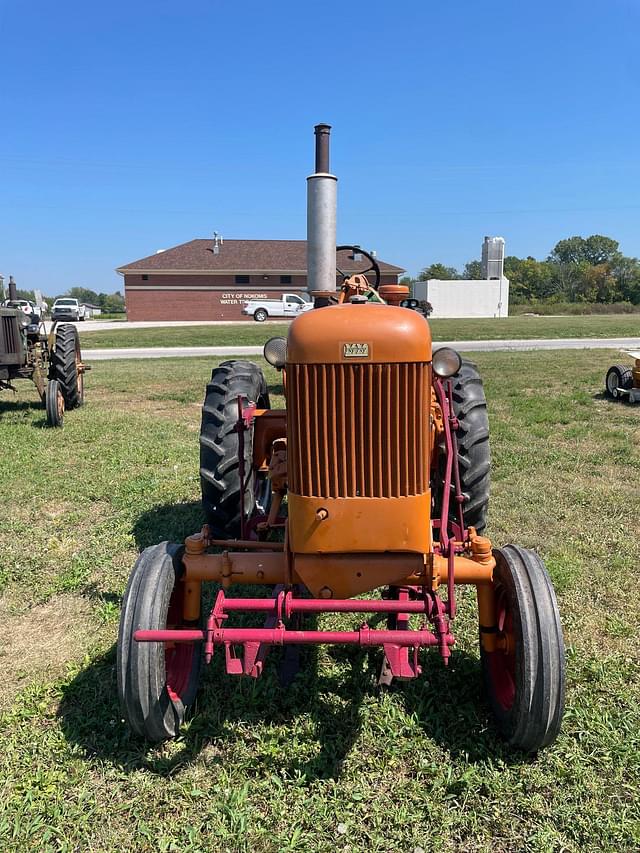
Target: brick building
(200,280)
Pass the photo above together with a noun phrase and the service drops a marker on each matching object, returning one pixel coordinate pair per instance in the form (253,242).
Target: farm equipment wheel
(219,460)
(65,365)
(54,403)
(157,682)
(260,315)
(525,677)
(618,377)
(474,457)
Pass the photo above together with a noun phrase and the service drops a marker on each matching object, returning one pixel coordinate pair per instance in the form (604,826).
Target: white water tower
(493,257)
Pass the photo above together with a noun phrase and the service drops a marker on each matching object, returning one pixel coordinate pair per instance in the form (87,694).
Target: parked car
(25,305)
(420,305)
(289,305)
(68,308)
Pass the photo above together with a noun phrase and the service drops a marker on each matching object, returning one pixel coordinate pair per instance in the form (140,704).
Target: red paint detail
(502,665)
(178,665)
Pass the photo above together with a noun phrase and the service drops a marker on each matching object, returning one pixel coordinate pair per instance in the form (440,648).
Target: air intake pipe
(321,222)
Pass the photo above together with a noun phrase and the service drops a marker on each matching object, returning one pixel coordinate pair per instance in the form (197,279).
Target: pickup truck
(68,308)
(289,305)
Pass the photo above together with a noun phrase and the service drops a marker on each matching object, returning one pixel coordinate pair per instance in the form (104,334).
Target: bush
(574,308)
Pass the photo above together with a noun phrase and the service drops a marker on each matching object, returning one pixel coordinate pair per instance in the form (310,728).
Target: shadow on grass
(321,715)
(603,397)
(320,712)
(172,523)
(11,407)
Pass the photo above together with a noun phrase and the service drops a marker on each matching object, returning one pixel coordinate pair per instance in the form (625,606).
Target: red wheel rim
(178,657)
(178,661)
(502,662)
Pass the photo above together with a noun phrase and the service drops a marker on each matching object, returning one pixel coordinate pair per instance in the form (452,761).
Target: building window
(145,278)
(285,279)
(242,279)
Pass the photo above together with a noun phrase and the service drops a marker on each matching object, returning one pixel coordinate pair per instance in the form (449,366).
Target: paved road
(115,325)
(463,346)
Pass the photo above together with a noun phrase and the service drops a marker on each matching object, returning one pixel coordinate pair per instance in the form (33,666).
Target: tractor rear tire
(474,457)
(525,680)
(618,376)
(219,459)
(54,403)
(157,682)
(65,361)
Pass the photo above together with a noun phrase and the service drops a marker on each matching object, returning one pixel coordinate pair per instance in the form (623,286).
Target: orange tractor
(381,460)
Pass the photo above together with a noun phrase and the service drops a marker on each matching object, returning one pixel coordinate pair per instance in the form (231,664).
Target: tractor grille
(358,430)
(9,335)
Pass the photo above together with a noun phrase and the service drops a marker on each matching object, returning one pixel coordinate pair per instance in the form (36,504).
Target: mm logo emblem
(355,350)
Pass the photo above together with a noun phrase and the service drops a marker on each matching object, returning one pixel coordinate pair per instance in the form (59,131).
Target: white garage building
(486,297)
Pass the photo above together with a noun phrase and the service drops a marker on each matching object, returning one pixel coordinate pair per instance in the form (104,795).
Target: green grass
(333,763)
(249,334)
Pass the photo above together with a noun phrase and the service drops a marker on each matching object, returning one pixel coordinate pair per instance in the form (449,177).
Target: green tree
(627,273)
(22,294)
(473,270)
(529,279)
(83,294)
(111,303)
(438,271)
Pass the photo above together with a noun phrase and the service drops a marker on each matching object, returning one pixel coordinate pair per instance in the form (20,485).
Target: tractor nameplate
(355,350)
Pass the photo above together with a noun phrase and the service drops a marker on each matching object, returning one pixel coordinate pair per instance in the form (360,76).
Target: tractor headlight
(446,362)
(275,352)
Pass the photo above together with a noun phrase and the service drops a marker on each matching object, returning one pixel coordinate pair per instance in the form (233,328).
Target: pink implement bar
(314,605)
(281,636)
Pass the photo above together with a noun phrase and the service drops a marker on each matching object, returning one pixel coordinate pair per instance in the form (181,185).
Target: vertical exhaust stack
(322,193)
(13,290)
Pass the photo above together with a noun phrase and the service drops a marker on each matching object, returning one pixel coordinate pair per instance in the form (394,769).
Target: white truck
(289,305)
(67,308)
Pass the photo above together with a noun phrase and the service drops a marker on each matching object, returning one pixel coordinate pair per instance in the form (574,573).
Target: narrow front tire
(157,682)
(524,677)
(54,403)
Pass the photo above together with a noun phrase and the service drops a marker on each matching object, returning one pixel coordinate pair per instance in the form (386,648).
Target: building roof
(241,256)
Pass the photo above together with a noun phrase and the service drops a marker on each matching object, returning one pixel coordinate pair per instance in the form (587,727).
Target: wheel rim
(79,374)
(178,661)
(178,657)
(613,381)
(502,662)
(60,405)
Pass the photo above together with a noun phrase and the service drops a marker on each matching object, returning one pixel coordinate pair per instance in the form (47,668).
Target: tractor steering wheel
(372,266)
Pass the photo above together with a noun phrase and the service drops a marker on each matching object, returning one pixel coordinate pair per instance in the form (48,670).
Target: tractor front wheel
(524,677)
(157,682)
(54,403)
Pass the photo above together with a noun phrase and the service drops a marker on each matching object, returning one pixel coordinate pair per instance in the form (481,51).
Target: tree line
(110,303)
(578,269)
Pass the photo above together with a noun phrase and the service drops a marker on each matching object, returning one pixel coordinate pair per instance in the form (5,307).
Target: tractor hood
(372,333)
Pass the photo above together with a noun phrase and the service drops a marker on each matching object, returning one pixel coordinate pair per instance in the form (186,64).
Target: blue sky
(129,127)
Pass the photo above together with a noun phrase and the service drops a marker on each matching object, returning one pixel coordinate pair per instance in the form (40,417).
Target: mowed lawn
(333,763)
(251,333)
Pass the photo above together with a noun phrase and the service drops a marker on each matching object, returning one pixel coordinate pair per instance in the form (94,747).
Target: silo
(493,257)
